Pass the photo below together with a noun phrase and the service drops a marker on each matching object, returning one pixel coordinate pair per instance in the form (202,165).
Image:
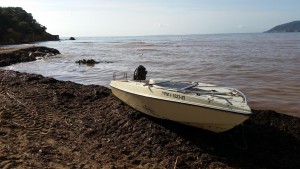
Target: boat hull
(202,117)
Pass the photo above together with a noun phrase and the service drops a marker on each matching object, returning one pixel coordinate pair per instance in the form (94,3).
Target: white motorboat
(197,104)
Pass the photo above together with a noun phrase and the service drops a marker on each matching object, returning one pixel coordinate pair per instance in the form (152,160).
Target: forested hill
(287,27)
(18,26)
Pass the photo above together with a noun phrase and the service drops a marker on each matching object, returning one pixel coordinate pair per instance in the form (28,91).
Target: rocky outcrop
(17,38)
(12,56)
(87,61)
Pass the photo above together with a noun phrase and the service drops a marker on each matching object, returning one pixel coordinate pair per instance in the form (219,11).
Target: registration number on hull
(173,95)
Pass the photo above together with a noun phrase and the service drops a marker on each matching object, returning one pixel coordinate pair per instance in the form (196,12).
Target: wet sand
(46,123)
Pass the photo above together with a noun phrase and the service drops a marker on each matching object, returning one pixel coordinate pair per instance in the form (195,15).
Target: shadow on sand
(267,140)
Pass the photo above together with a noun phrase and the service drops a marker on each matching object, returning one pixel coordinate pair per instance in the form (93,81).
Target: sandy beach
(46,123)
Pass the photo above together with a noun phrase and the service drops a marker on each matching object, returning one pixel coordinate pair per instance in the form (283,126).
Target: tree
(19,20)
(24,27)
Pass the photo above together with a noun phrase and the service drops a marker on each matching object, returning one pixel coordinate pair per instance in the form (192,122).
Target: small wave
(106,62)
(139,44)
(149,50)
(235,66)
(114,42)
(85,42)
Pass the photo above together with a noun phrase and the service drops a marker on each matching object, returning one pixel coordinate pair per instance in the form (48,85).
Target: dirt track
(46,123)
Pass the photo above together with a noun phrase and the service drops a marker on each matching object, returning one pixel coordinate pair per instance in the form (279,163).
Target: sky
(157,17)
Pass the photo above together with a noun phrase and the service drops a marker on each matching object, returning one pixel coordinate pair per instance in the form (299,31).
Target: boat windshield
(174,85)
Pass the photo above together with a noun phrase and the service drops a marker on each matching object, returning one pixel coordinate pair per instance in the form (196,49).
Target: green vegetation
(18,26)
(288,27)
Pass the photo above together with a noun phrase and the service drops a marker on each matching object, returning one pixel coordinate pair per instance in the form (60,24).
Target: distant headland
(18,26)
(287,27)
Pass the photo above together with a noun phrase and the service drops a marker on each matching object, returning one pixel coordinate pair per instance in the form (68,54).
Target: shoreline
(61,124)
(45,122)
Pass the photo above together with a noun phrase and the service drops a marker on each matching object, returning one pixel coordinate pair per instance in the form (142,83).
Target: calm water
(264,66)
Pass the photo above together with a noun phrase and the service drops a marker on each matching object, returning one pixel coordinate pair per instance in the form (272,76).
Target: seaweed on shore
(46,123)
(13,56)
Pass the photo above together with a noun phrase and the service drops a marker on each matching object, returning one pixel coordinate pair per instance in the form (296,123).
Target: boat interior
(187,87)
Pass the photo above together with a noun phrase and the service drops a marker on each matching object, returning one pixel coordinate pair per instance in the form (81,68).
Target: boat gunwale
(245,113)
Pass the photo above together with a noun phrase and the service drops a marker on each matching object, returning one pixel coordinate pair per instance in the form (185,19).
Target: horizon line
(160,35)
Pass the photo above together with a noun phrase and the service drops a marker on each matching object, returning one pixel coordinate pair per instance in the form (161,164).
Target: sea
(264,66)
